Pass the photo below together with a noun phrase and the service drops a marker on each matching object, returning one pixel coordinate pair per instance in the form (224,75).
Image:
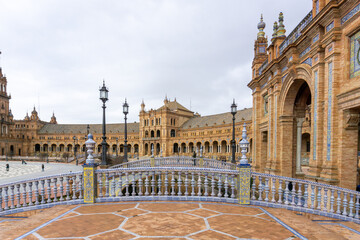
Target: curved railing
(178,162)
(182,183)
(304,196)
(167,183)
(43,192)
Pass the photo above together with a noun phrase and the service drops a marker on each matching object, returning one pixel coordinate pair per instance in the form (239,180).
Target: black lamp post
(117,140)
(233,145)
(86,138)
(125,111)
(77,161)
(103,97)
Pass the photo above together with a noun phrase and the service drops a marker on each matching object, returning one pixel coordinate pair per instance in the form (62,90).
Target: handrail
(305,196)
(42,192)
(178,162)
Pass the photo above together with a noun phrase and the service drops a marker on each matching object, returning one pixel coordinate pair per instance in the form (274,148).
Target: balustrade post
(6,198)
(179,184)
(89,174)
(1,208)
(18,195)
(244,171)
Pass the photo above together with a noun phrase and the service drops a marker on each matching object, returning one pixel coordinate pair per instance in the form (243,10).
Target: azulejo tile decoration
(328,142)
(355,55)
(350,14)
(315,113)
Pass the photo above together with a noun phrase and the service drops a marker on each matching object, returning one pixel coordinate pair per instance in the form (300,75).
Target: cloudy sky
(55,54)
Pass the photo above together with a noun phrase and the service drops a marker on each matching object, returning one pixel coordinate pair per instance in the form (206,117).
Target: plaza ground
(172,220)
(18,171)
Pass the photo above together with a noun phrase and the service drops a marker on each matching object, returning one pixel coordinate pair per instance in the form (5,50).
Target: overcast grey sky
(56,53)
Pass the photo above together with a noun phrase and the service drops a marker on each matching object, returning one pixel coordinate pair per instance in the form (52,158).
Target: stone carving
(352,120)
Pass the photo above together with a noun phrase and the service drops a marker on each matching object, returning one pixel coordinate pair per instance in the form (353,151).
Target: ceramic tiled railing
(179,162)
(305,196)
(41,193)
(167,183)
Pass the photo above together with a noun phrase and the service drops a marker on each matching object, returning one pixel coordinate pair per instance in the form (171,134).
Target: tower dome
(261,25)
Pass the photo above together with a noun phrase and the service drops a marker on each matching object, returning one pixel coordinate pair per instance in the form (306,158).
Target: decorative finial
(261,26)
(244,144)
(90,144)
(281,30)
(275,28)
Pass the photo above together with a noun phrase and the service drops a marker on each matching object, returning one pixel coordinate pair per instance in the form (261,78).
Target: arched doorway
(215,147)
(146,148)
(37,148)
(176,148)
(297,109)
(191,147)
(157,148)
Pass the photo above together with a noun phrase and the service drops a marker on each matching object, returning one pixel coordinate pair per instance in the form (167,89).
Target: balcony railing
(296,33)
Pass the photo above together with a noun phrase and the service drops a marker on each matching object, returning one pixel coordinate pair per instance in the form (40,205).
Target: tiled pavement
(171,220)
(18,171)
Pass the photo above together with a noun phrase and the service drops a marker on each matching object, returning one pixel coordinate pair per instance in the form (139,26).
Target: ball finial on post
(90,144)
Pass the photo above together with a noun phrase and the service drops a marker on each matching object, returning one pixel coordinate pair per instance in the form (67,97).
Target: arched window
(146,134)
(172,133)
(152,133)
(158,133)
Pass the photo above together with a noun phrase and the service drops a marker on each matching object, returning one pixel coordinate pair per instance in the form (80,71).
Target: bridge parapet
(179,182)
(179,161)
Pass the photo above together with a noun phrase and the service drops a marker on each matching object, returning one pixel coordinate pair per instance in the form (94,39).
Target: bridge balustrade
(179,179)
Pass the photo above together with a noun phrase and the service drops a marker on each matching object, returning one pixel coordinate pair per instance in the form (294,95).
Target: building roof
(218,119)
(82,128)
(174,105)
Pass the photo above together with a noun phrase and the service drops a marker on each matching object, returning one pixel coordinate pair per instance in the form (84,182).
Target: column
(298,144)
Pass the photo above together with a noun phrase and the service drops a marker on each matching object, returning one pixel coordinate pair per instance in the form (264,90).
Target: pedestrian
(7,167)
(42,167)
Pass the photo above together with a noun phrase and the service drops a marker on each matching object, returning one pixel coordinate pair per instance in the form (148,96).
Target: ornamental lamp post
(233,145)
(77,161)
(103,97)
(125,111)
(117,140)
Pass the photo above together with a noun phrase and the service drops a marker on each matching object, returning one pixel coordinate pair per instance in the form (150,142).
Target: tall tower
(5,114)
(260,54)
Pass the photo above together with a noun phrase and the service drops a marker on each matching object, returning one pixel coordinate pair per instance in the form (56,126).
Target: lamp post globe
(103,97)
(125,111)
(233,145)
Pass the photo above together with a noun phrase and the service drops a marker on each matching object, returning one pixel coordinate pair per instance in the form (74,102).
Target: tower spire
(275,28)
(261,26)
(281,29)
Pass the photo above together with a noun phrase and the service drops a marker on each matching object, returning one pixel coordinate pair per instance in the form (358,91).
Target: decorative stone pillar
(298,144)
(89,175)
(244,171)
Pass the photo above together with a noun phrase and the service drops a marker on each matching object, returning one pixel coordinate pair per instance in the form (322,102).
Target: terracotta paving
(172,220)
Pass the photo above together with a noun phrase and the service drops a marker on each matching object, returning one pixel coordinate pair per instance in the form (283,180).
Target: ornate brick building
(170,130)
(306,96)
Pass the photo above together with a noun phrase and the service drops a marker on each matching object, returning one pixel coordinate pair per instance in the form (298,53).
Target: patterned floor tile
(165,224)
(104,208)
(117,234)
(167,207)
(81,226)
